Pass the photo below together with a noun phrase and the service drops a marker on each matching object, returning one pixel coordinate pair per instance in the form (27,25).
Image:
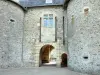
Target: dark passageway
(64,60)
(45,55)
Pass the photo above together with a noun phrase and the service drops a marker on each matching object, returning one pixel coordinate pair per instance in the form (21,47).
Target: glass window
(45,16)
(48,20)
(51,22)
(50,15)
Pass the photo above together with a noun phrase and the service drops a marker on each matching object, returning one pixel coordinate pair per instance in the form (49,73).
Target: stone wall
(32,31)
(84,36)
(11,34)
(65,31)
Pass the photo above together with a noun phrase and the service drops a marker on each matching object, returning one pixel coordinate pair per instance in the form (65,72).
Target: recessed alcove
(85,57)
(12,20)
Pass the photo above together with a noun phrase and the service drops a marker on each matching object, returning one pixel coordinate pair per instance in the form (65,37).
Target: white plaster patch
(86,7)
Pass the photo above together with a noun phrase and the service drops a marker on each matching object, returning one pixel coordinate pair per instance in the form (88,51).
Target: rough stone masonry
(84,35)
(82,31)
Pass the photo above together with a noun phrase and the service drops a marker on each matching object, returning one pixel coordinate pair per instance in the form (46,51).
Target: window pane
(45,22)
(45,16)
(51,22)
(50,15)
(48,20)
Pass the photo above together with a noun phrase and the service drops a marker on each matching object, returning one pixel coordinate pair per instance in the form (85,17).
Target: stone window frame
(48,20)
(54,23)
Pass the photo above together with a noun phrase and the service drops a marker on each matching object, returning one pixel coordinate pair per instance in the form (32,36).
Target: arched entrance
(64,60)
(45,55)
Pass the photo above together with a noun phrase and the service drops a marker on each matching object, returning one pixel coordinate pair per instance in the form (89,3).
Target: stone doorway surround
(47,55)
(38,47)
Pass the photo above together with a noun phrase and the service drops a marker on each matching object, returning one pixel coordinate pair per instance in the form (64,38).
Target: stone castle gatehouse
(35,32)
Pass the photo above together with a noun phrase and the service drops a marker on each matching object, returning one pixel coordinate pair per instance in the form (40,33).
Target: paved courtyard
(38,71)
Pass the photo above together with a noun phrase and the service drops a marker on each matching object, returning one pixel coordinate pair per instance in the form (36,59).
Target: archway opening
(64,60)
(46,56)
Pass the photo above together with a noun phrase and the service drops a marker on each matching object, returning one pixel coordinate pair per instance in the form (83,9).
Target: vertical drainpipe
(67,34)
(40,29)
(23,38)
(63,31)
(25,10)
(67,30)
(56,29)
